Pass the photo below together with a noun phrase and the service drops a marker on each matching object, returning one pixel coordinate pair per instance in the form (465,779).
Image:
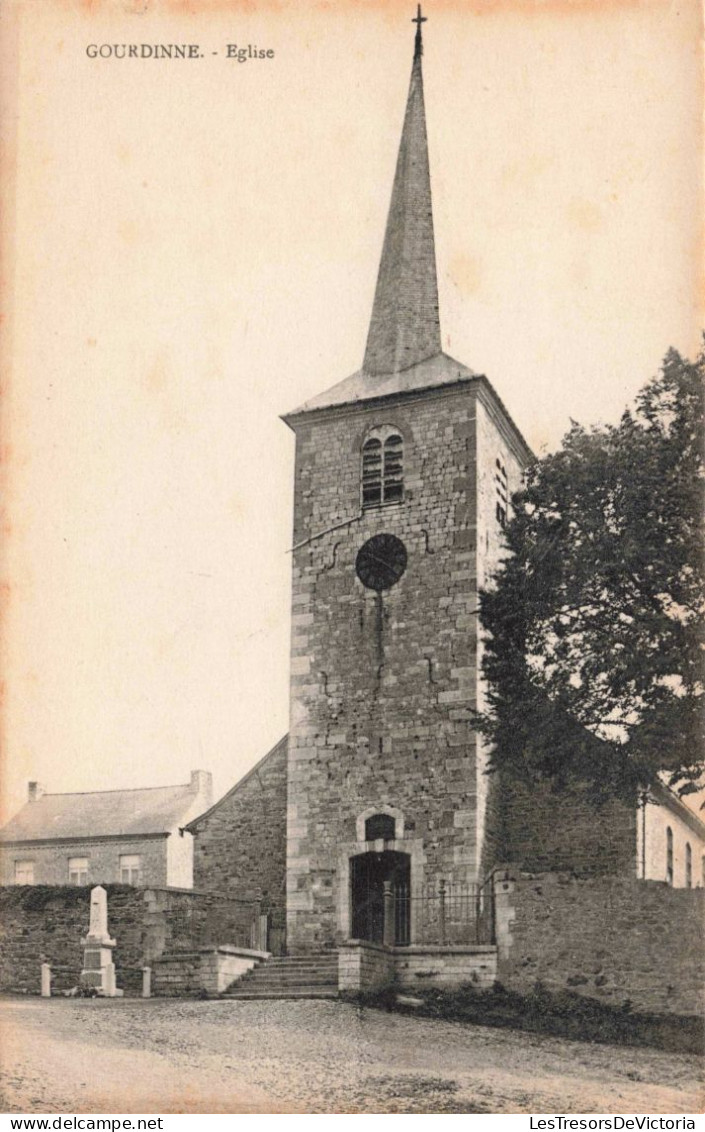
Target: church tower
(403,472)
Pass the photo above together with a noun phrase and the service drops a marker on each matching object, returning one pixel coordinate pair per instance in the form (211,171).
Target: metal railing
(445,913)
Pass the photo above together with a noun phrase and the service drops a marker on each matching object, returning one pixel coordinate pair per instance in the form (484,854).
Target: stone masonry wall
(382,684)
(492,447)
(541,830)
(446,967)
(177,976)
(240,844)
(46,924)
(364,966)
(616,939)
(210,969)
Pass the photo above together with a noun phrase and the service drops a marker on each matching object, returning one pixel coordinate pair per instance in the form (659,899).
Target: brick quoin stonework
(240,843)
(616,939)
(382,684)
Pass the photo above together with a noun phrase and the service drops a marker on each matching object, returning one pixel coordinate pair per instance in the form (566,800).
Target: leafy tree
(594,626)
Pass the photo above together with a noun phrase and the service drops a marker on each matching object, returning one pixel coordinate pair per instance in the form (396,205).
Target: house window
(500,480)
(380,827)
(130,869)
(78,870)
(669,855)
(382,468)
(24,872)
(688,866)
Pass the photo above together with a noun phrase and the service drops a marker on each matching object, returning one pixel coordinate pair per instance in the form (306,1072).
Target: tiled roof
(103,813)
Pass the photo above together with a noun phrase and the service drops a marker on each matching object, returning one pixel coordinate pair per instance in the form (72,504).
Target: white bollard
(46,981)
(146,982)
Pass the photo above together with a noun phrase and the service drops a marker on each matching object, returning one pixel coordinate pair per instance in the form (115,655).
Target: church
(375,819)
(403,473)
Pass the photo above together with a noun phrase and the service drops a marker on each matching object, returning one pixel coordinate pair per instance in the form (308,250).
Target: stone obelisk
(98,967)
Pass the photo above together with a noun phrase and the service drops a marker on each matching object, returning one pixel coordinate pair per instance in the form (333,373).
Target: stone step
(292,976)
(282,984)
(294,972)
(293,992)
(327,958)
(299,969)
(289,980)
(314,975)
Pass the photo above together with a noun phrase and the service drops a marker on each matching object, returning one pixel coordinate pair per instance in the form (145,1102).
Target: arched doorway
(368,873)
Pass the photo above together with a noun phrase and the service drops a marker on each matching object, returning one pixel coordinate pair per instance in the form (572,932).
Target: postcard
(293,295)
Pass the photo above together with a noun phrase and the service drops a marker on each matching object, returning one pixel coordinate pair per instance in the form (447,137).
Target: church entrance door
(368,873)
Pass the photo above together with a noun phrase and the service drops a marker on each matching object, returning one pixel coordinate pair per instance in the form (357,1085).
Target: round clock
(380,562)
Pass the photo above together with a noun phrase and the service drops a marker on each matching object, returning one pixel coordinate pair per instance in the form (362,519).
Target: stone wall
(177,976)
(492,447)
(46,924)
(382,683)
(616,939)
(210,969)
(364,966)
(240,843)
(446,967)
(179,919)
(545,831)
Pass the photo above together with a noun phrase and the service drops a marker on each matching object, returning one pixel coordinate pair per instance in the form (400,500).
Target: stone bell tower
(403,472)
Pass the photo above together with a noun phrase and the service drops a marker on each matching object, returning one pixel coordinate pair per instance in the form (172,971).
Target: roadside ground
(175,1055)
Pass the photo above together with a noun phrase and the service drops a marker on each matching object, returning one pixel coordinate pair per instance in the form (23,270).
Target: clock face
(380,562)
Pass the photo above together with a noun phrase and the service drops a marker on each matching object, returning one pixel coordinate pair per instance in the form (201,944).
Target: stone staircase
(314,975)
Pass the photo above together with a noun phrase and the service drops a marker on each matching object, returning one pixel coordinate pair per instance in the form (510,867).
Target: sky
(190,249)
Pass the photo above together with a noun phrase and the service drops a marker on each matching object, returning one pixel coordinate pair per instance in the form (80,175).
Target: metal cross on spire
(418,20)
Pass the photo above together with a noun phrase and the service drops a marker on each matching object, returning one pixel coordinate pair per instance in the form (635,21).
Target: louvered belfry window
(393,485)
(502,493)
(372,472)
(382,470)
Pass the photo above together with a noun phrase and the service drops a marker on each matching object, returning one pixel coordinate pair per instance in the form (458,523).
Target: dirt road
(126,1056)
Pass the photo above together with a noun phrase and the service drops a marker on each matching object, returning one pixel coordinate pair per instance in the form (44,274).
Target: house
(126,836)
(670,841)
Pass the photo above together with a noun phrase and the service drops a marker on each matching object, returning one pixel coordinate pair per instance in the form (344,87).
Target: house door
(368,872)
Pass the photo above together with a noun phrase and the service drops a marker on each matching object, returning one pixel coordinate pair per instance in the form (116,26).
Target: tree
(594,622)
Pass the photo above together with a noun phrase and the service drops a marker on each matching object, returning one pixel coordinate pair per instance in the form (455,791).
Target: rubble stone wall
(45,924)
(611,938)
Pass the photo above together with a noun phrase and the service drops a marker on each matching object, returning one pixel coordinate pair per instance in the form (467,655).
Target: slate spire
(405,326)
